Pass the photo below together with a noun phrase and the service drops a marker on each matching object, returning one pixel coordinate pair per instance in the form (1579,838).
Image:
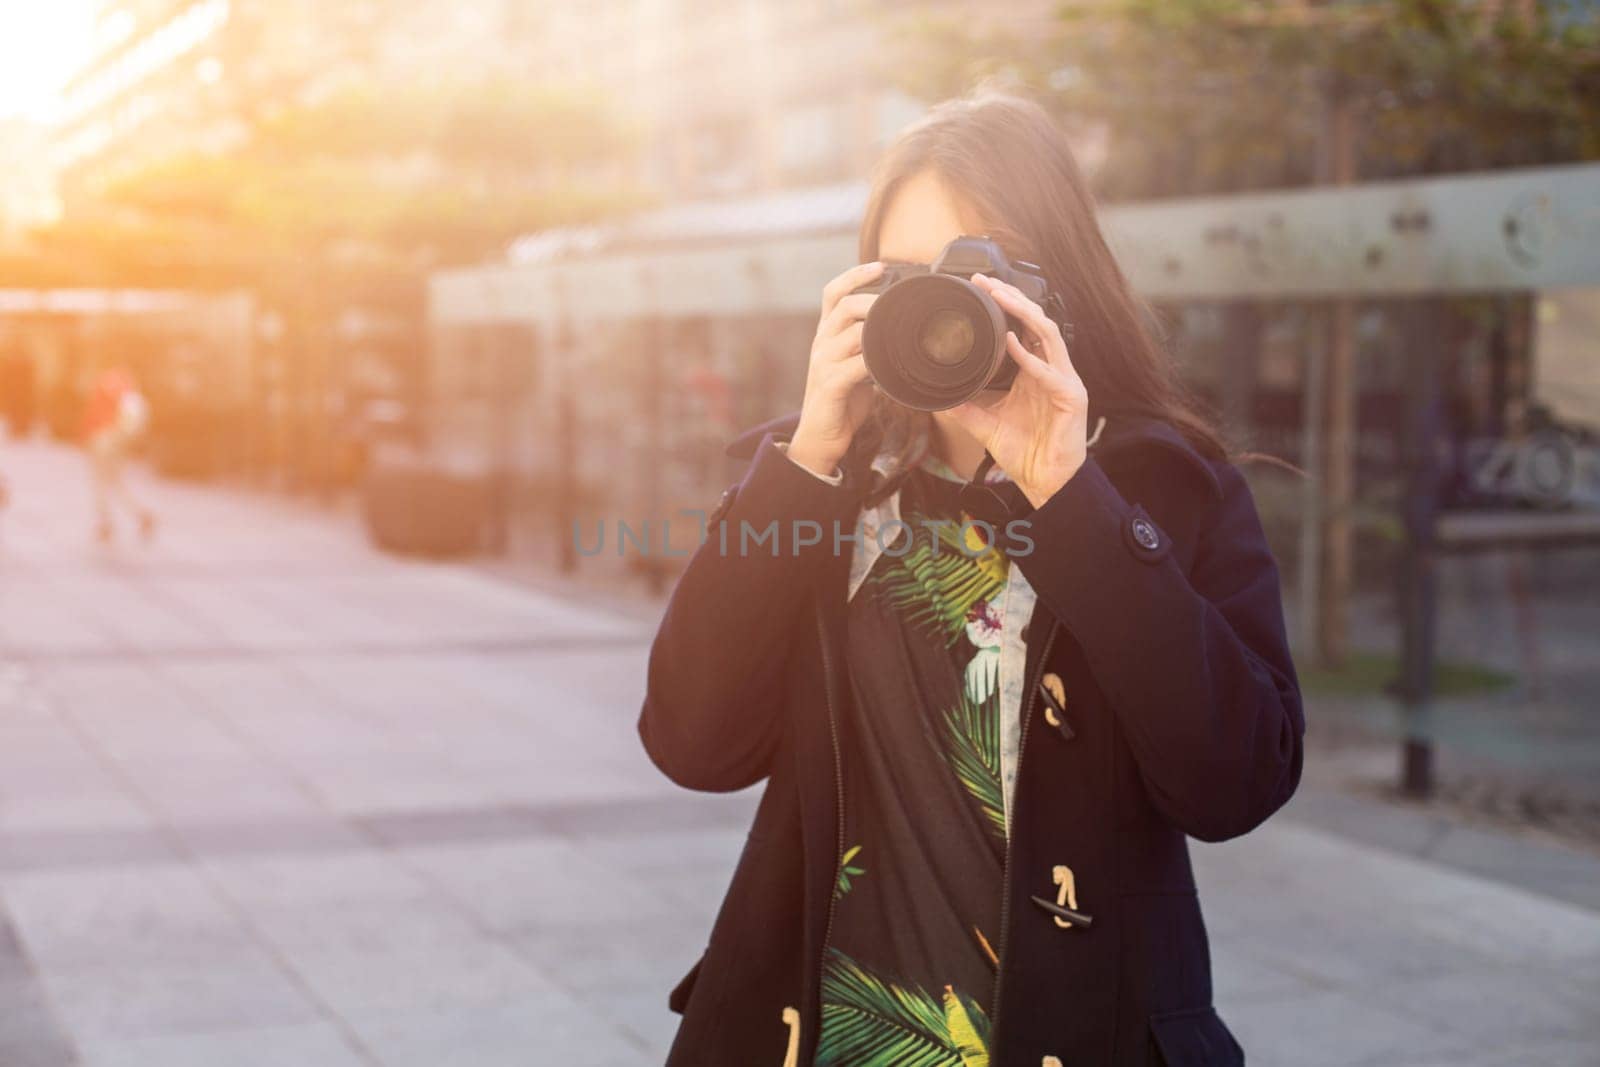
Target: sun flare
(40,46)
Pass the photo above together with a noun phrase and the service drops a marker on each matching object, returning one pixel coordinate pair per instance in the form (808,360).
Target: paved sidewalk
(270,798)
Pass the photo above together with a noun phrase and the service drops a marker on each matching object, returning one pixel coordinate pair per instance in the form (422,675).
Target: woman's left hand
(1037,431)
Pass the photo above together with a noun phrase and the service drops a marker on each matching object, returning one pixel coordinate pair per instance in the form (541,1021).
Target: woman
(981,763)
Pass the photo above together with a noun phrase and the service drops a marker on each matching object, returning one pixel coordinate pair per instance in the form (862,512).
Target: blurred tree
(373,177)
(1206,96)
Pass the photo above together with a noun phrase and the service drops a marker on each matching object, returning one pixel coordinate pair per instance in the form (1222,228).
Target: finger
(850,308)
(1052,379)
(1019,303)
(1012,299)
(841,383)
(852,371)
(851,279)
(844,344)
(1015,301)
(1027,361)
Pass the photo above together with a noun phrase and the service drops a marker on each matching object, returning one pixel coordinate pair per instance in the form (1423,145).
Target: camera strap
(995,504)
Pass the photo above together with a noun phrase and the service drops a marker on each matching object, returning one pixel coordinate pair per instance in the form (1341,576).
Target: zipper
(1005,867)
(838,782)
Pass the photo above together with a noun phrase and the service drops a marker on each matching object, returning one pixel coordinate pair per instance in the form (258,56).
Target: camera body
(962,258)
(933,339)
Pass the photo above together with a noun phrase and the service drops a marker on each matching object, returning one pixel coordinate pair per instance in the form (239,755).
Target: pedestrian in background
(113,419)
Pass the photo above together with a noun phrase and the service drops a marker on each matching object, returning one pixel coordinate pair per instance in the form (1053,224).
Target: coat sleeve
(1196,666)
(712,715)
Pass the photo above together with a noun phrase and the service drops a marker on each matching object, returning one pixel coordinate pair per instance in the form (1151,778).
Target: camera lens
(932,341)
(946,337)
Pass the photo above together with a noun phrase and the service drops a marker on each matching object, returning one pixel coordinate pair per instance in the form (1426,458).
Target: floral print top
(910,959)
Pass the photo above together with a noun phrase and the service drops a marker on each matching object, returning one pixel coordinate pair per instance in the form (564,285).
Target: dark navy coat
(1159,611)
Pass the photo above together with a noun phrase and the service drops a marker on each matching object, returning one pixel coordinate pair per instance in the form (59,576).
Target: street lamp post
(1417,580)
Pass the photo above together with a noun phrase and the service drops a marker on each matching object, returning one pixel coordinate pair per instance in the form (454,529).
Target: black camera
(933,339)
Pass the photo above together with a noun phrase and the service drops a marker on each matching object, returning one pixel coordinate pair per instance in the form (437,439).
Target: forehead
(922,216)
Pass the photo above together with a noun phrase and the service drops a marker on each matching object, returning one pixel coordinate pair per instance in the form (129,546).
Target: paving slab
(321,1044)
(268,797)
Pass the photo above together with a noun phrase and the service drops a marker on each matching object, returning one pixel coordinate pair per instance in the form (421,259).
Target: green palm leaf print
(846,871)
(870,1022)
(968,1027)
(935,591)
(972,744)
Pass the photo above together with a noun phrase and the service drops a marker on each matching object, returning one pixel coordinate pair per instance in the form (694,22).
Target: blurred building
(176,76)
(27,185)
(733,96)
(752,96)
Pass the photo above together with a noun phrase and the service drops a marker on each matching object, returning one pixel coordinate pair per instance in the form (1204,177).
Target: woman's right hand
(838,388)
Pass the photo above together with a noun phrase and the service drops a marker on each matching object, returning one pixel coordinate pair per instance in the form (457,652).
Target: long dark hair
(1012,164)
